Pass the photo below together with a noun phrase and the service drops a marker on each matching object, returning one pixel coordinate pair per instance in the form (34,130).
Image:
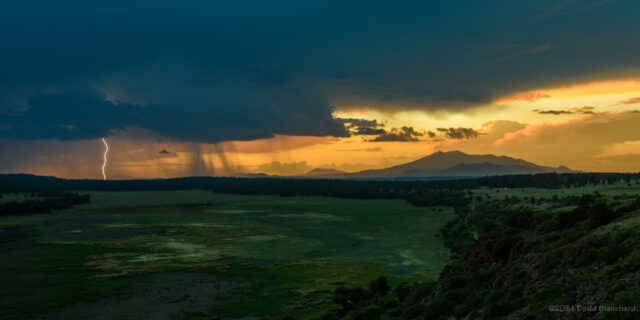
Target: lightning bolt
(104,164)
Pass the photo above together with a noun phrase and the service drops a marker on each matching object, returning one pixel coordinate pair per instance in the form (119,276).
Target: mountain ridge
(322,172)
(452,163)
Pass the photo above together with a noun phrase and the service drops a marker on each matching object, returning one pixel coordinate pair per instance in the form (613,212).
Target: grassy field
(610,191)
(194,254)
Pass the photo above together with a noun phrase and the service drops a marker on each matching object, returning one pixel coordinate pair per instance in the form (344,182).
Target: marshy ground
(195,254)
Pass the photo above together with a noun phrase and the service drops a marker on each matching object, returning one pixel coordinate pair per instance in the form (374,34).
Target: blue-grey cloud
(88,115)
(213,71)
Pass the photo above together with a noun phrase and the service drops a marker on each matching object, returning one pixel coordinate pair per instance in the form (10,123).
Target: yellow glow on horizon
(606,140)
(617,88)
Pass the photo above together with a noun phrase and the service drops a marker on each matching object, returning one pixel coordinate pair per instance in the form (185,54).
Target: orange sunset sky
(591,126)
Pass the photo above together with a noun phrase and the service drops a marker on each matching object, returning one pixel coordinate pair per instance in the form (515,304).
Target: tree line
(419,193)
(44,202)
(306,187)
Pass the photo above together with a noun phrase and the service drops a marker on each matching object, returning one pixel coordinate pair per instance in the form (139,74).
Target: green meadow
(200,255)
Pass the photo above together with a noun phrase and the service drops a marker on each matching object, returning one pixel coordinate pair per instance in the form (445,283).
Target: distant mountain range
(445,164)
(323,172)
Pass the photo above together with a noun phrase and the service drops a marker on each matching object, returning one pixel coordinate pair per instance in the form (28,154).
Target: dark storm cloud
(80,115)
(361,123)
(213,71)
(369,131)
(404,134)
(87,115)
(459,133)
(362,126)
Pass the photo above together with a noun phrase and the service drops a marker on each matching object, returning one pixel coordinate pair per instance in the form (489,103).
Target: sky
(195,88)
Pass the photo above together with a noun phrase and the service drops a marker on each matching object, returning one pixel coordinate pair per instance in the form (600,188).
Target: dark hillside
(525,264)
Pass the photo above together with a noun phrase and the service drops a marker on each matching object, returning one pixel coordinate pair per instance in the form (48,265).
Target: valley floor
(195,254)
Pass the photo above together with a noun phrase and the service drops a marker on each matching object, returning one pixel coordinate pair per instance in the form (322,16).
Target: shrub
(502,308)
(402,290)
(600,213)
(566,220)
(380,286)
(588,257)
(614,251)
(371,312)
(519,220)
(502,247)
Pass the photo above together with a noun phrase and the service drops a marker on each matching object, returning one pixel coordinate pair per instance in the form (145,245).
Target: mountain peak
(458,163)
(452,152)
(322,172)
(446,163)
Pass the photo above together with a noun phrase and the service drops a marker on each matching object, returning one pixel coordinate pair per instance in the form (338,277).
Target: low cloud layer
(404,133)
(580,110)
(630,101)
